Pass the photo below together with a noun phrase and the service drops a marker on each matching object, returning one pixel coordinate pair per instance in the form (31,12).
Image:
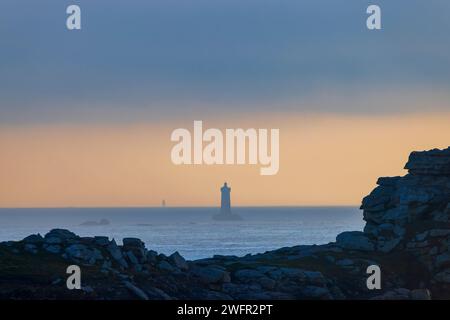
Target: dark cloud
(156,58)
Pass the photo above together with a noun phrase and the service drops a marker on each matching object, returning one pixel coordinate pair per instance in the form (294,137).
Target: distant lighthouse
(225,204)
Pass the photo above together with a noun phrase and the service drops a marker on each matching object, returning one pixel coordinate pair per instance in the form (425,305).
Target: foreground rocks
(407,235)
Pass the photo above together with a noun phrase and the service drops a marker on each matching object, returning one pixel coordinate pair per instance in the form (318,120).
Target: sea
(191,231)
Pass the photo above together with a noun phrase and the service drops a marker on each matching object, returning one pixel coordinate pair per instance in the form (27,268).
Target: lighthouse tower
(225,204)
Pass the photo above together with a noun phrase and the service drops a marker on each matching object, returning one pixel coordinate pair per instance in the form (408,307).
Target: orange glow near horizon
(324,160)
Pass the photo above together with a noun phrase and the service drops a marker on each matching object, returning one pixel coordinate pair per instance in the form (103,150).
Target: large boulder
(139,293)
(62,234)
(355,240)
(83,253)
(137,247)
(34,239)
(314,292)
(177,260)
(132,243)
(210,275)
(101,240)
(433,162)
(54,248)
(247,275)
(116,254)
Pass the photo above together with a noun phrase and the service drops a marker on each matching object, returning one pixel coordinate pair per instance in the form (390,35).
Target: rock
(83,253)
(87,289)
(53,240)
(152,256)
(245,275)
(162,256)
(443,277)
(396,294)
(276,295)
(135,290)
(433,251)
(106,264)
(177,260)
(54,248)
(132,258)
(371,229)
(166,266)
(422,236)
(214,295)
(354,240)
(379,199)
(443,260)
(225,258)
(439,232)
(157,294)
(256,295)
(34,238)
(211,275)
(388,181)
(136,246)
(29,247)
(132,242)
(345,262)
(389,245)
(386,229)
(62,234)
(101,241)
(313,292)
(265,269)
(78,251)
(87,240)
(115,252)
(267,283)
(422,244)
(314,277)
(337,293)
(396,215)
(399,231)
(441,216)
(420,294)
(280,273)
(433,162)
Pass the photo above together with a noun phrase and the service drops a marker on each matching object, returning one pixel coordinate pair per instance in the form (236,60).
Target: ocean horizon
(190,230)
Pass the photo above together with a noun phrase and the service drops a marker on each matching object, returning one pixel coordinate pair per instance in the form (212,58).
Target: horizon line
(181,206)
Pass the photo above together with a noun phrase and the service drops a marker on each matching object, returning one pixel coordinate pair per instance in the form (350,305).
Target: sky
(86,116)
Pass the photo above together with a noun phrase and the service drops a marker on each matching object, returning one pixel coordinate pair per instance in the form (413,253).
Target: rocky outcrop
(407,234)
(429,163)
(412,213)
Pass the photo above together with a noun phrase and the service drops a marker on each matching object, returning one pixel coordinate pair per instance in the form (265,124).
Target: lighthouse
(225,206)
(225,203)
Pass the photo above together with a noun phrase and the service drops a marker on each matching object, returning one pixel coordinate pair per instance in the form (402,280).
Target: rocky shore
(407,234)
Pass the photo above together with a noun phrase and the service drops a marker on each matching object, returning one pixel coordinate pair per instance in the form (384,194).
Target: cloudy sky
(158,58)
(139,69)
